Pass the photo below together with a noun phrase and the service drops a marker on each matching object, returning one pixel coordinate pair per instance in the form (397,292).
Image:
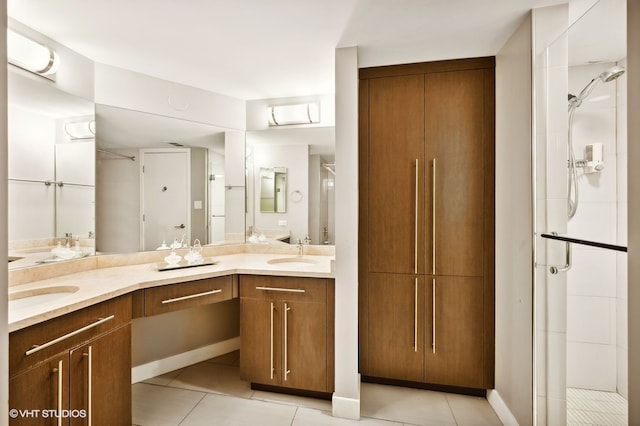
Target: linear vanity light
(80,129)
(31,55)
(285,115)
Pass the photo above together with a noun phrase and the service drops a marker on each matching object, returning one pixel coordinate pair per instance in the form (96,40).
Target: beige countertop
(99,278)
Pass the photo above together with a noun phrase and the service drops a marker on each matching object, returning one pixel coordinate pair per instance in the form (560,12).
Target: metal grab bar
(37,348)
(191,296)
(556,269)
(555,236)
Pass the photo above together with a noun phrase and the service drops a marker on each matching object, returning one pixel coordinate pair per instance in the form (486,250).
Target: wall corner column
(346,398)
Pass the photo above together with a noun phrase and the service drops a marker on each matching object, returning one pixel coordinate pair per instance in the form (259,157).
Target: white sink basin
(27,298)
(292,260)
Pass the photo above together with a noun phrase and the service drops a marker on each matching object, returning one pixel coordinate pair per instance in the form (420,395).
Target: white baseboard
(500,407)
(165,365)
(346,408)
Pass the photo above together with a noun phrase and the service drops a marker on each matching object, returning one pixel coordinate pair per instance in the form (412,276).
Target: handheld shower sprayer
(574,102)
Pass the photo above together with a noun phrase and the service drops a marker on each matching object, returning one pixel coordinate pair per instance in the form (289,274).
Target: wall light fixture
(285,115)
(31,56)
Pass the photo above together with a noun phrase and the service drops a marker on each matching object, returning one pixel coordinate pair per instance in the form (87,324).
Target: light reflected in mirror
(308,155)
(273,189)
(51,171)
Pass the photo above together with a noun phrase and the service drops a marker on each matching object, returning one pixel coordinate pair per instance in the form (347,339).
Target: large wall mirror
(51,166)
(304,208)
(112,180)
(161,180)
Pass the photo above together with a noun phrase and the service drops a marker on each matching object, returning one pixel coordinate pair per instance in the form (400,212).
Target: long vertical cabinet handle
(271,366)
(415,314)
(286,370)
(433,219)
(60,402)
(416,222)
(89,355)
(433,315)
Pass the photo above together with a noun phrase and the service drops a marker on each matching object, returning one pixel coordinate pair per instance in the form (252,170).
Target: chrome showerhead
(605,77)
(611,74)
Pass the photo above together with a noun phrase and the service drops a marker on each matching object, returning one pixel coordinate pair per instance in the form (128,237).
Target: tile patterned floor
(589,407)
(211,393)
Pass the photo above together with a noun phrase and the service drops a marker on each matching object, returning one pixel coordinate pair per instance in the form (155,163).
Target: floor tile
(311,417)
(232,358)
(162,406)
(591,407)
(224,410)
(163,379)
(472,411)
(414,406)
(211,377)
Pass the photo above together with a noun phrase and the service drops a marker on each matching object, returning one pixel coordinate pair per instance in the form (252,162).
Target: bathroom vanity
(67,354)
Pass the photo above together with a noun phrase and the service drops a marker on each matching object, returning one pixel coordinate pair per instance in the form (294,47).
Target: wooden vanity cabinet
(81,367)
(189,294)
(286,332)
(426,228)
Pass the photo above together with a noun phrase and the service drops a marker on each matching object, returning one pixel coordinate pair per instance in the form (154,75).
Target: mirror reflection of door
(165,197)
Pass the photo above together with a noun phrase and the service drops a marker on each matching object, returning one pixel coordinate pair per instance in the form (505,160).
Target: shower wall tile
(591,320)
(594,125)
(622,224)
(599,187)
(622,275)
(556,411)
(556,216)
(592,272)
(622,376)
(594,221)
(621,324)
(556,297)
(592,366)
(621,167)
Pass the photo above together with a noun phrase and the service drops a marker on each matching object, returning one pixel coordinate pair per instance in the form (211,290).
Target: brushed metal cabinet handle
(272,367)
(37,348)
(286,370)
(433,314)
(89,355)
(191,296)
(433,219)
(416,218)
(282,290)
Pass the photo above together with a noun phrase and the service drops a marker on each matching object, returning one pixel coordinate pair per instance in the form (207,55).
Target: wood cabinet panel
(396,143)
(458,359)
(396,326)
(286,330)
(23,340)
(455,120)
(38,389)
(173,297)
(100,376)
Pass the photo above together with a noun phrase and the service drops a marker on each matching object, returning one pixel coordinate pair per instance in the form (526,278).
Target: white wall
(4,319)
(633,134)
(346,398)
(514,240)
(295,158)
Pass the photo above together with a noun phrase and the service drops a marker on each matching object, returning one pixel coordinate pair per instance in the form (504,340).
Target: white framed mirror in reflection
(305,211)
(51,171)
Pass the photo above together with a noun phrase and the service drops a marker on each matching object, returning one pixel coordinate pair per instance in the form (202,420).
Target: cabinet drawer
(173,297)
(34,344)
(283,288)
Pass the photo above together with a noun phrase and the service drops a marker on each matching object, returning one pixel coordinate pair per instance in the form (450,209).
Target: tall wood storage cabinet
(427,223)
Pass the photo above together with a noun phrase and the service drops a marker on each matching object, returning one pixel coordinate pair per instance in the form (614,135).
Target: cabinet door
(100,379)
(456,136)
(44,387)
(396,330)
(457,358)
(395,185)
(260,337)
(304,350)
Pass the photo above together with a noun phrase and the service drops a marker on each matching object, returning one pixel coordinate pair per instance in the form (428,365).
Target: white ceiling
(258,49)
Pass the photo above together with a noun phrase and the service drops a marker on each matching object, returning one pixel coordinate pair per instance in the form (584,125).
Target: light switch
(282,223)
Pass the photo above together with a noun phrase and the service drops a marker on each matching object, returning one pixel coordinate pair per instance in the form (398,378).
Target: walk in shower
(581,317)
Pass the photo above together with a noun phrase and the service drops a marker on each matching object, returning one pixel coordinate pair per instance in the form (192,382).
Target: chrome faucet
(300,248)
(68,238)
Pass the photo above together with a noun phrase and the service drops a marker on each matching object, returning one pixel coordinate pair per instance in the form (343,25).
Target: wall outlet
(197,205)
(282,223)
